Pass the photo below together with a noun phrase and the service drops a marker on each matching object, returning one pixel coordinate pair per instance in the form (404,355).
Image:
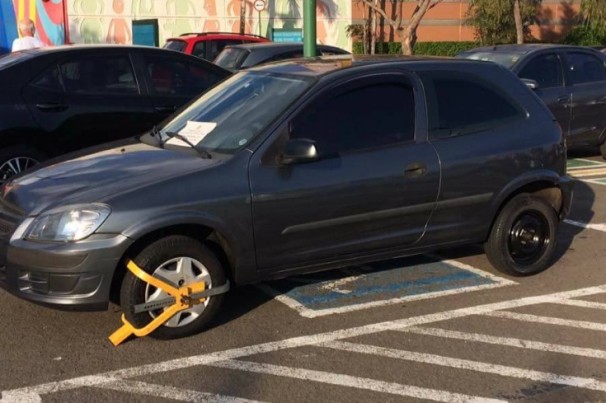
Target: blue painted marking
(379,281)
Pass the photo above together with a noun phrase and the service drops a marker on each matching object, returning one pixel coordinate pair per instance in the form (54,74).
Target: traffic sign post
(259,6)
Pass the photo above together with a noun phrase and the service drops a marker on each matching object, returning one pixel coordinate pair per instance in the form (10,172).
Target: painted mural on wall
(48,17)
(98,21)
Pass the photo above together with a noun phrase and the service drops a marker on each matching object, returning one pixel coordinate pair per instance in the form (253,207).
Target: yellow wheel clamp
(180,299)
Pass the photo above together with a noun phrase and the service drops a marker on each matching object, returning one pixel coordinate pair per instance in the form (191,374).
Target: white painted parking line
(31,393)
(508,341)
(548,320)
(495,369)
(583,304)
(352,382)
(597,227)
(169,392)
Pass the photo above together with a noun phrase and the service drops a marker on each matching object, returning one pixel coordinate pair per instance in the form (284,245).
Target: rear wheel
(603,149)
(14,160)
(523,238)
(178,260)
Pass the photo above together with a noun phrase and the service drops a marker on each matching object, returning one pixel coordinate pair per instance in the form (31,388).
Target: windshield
(230,58)
(502,58)
(226,118)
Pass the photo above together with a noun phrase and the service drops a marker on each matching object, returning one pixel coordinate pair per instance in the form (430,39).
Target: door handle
(51,107)
(415,170)
(165,108)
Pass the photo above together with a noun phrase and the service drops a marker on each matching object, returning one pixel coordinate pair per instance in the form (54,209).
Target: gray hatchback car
(293,168)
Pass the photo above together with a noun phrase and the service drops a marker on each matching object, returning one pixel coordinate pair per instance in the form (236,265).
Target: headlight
(68,223)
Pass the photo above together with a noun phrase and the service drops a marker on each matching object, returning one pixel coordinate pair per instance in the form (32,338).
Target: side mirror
(299,150)
(532,84)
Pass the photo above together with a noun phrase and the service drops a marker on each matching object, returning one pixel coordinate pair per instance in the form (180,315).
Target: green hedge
(421,48)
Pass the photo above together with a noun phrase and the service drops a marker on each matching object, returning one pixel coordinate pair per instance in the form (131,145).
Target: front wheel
(178,260)
(14,160)
(523,237)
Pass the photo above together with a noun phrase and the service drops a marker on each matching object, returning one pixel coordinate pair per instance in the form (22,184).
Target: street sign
(259,5)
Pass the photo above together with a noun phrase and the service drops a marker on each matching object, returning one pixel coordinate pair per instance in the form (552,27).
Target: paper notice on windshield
(194,132)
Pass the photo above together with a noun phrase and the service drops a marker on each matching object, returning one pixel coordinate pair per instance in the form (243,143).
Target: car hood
(98,176)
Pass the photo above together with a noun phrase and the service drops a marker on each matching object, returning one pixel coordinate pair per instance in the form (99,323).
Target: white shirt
(27,42)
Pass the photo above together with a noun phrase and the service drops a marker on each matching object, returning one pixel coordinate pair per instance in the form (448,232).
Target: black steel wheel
(523,237)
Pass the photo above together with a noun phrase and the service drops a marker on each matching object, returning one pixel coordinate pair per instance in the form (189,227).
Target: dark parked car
(571,80)
(288,169)
(238,57)
(59,99)
(207,45)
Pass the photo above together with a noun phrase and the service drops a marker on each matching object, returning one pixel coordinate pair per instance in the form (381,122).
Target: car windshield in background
(179,46)
(502,58)
(229,116)
(230,58)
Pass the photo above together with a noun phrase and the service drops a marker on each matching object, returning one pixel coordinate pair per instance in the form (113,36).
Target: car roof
(277,46)
(521,48)
(91,47)
(326,65)
(190,35)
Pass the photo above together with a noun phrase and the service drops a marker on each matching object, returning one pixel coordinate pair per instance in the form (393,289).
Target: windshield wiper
(184,139)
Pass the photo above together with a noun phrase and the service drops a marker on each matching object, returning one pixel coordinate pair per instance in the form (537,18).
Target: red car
(207,45)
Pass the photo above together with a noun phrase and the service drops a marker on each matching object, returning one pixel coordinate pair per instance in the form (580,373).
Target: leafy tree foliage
(494,20)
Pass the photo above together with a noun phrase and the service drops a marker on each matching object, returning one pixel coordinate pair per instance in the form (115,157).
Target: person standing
(27,40)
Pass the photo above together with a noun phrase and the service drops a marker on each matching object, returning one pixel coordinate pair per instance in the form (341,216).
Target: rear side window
(460,103)
(199,50)
(50,79)
(584,68)
(168,76)
(179,46)
(545,70)
(347,121)
(99,75)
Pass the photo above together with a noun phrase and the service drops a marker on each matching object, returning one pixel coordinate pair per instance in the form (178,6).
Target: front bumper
(74,276)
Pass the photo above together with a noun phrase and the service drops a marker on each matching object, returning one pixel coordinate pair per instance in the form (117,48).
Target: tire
(603,150)
(522,240)
(162,258)
(16,159)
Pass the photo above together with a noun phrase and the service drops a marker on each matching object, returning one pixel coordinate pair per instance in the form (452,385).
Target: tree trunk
(408,39)
(373,28)
(517,15)
(242,16)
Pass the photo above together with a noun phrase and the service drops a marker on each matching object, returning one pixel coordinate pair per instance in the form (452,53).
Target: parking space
(380,284)
(553,351)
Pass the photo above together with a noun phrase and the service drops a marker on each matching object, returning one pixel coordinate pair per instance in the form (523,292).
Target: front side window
(230,115)
(168,76)
(99,75)
(460,104)
(199,50)
(369,116)
(546,70)
(584,68)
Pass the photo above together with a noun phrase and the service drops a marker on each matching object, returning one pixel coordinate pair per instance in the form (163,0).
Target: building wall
(95,21)
(446,21)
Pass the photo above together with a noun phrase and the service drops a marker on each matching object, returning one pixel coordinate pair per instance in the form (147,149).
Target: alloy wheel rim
(14,166)
(179,272)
